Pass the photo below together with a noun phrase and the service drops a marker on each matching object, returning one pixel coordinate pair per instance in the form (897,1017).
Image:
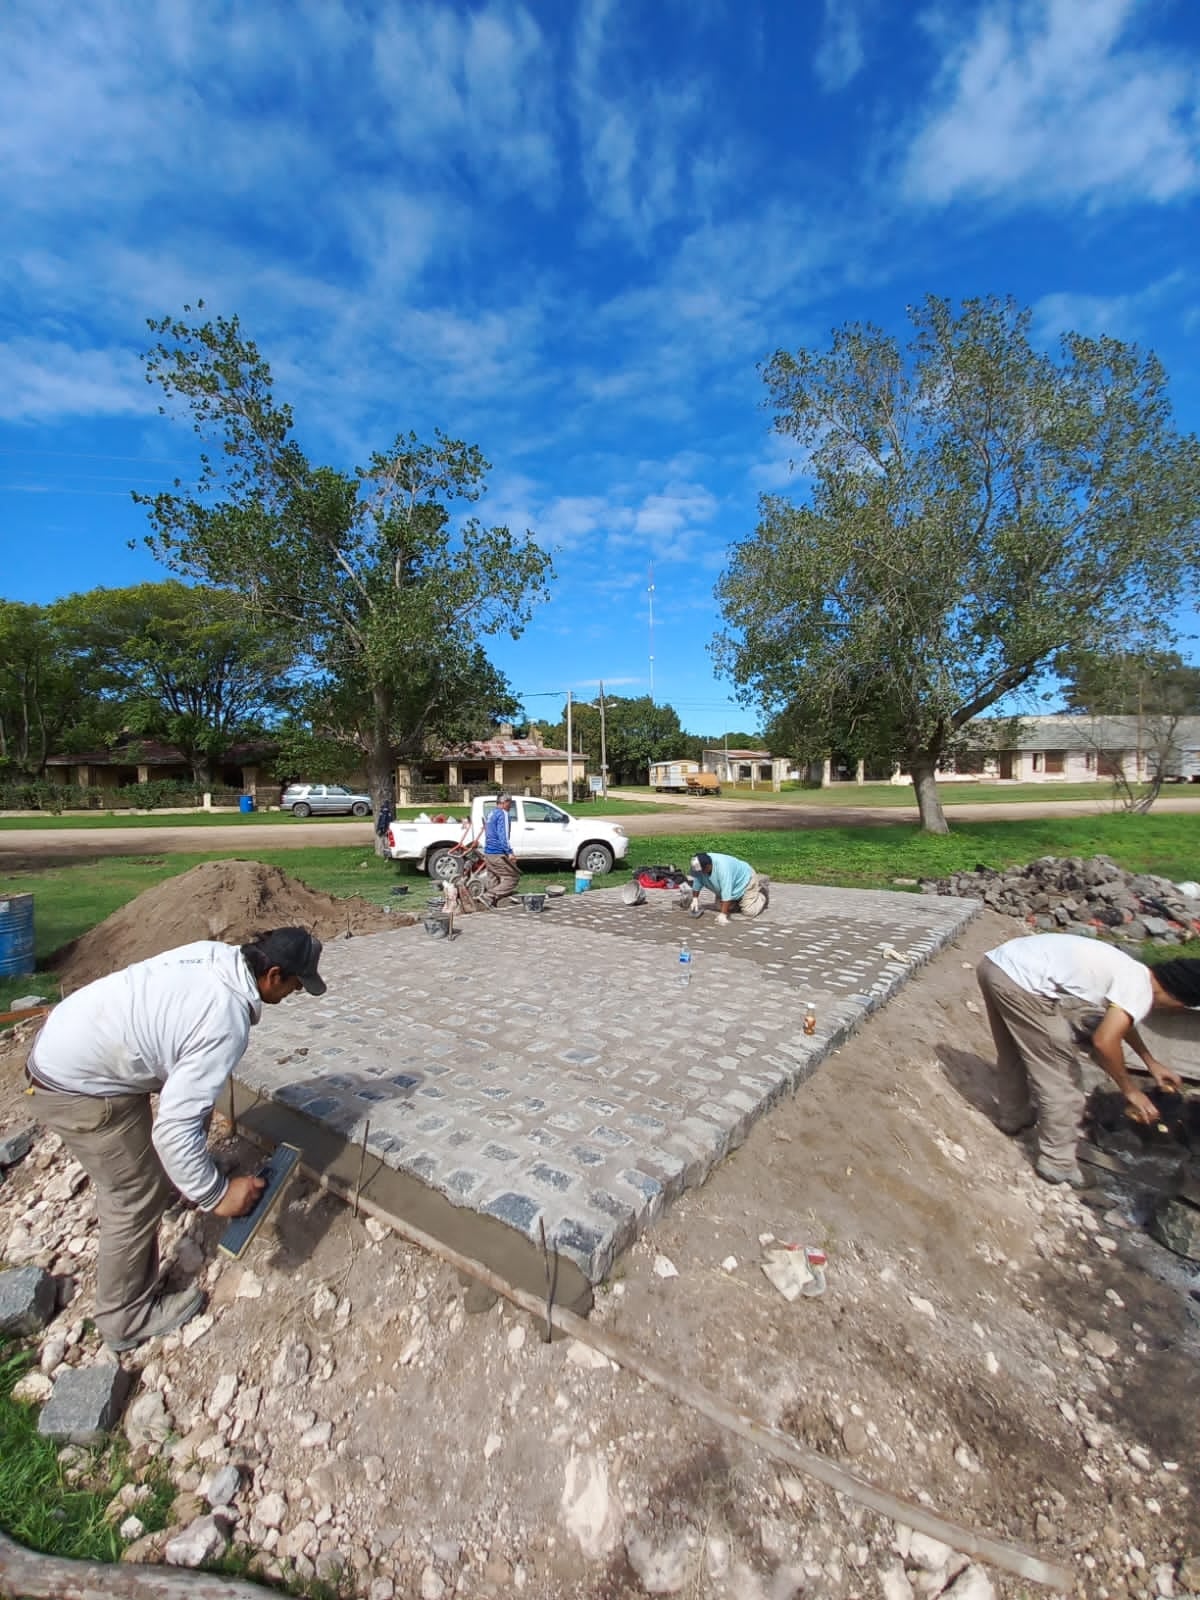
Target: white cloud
(1117,316)
(42,379)
(649,150)
(1050,100)
(476,86)
(840,55)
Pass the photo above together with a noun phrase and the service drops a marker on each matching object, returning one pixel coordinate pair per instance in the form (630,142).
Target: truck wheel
(360,809)
(595,858)
(302,809)
(442,864)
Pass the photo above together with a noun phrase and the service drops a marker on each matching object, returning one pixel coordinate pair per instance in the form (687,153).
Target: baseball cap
(296,953)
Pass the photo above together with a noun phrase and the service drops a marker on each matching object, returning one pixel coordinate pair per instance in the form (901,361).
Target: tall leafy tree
(386,588)
(329,729)
(638,730)
(182,663)
(46,702)
(976,510)
(1124,685)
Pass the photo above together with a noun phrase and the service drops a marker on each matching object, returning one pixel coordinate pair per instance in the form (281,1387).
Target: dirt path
(20,850)
(1016,1358)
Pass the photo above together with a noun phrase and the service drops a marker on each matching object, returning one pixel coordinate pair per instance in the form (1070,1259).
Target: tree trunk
(381,768)
(38,1577)
(929,803)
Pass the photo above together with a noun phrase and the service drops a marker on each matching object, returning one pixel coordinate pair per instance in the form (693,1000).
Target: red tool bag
(659,877)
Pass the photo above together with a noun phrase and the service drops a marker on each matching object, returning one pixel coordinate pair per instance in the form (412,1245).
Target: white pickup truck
(538,829)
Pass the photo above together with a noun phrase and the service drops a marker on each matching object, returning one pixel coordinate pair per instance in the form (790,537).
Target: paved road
(43,846)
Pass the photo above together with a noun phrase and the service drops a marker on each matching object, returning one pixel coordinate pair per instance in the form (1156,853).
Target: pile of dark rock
(1095,897)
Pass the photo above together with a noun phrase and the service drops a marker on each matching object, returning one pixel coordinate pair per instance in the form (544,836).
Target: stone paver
(549,1069)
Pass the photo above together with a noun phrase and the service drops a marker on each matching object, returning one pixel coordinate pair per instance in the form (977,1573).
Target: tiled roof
(507,750)
(1082,732)
(150,753)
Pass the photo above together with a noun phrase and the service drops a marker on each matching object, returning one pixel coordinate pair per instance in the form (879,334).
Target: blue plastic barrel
(246,803)
(16,936)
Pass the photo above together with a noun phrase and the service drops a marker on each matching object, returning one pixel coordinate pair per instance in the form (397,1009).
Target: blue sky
(567,231)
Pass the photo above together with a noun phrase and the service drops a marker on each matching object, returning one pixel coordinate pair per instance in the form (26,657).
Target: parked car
(324,800)
(539,829)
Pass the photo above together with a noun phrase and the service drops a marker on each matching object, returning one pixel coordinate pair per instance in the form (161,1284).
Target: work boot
(1070,1175)
(168,1312)
(1014,1127)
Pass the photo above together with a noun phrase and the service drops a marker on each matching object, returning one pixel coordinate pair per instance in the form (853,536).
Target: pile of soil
(227,900)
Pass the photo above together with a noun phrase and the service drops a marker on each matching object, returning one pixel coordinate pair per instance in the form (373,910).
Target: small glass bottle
(810,1018)
(685,964)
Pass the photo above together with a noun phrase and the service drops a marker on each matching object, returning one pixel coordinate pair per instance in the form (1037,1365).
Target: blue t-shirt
(728,880)
(495,833)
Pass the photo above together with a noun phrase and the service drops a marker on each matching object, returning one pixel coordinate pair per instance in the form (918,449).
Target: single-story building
(526,766)
(747,766)
(130,760)
(1078,749)
(1061,748)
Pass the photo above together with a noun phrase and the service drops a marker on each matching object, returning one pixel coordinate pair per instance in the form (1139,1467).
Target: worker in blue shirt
(735,884)
(503,872)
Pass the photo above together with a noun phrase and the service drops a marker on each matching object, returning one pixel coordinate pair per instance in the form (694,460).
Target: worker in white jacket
(174,1026)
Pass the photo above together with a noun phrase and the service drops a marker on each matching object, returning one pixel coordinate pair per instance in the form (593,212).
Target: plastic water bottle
(685,964)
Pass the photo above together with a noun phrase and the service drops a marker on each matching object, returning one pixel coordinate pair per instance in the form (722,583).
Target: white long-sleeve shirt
(175,1026)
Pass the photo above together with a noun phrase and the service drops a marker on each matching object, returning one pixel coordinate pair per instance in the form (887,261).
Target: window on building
(1039,761)
(764,771)
(1110,763)
(1056,761)
(476,775)
(745,771)
(1089,761)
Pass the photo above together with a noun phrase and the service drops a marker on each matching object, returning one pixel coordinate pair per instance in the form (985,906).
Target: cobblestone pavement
(551,1068)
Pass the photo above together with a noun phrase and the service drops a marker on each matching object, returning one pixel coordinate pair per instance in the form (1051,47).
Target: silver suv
(324,800)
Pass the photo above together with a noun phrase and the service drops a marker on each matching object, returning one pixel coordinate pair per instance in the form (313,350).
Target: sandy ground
(38,847)
(1006,1353)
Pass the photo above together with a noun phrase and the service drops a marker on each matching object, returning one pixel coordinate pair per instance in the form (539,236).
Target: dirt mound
(226,900)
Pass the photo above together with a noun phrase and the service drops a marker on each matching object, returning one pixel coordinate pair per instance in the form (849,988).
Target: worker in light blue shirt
(503,872)
(735,885)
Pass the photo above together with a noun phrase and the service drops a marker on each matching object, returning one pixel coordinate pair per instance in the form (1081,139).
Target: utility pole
(570,755)
(603,749)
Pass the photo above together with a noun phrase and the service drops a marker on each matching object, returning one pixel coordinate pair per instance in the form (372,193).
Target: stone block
(15,1147)
(86,1403)
(1177,1225)
(28,1300)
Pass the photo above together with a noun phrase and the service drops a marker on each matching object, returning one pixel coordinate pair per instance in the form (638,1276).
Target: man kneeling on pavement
(735,884)
(174,1026)
(1047,996)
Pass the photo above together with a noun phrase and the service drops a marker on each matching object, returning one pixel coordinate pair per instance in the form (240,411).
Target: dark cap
(296,953)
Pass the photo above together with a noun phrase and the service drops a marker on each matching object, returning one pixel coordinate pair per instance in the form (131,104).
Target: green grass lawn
(38,1507)
(91,820)
(71,899)
(952,794)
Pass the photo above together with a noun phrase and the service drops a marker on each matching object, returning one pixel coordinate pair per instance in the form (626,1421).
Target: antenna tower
(650,593)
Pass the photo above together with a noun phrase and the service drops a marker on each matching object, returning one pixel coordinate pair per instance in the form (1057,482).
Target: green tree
(1124,685)
(977,510)
(182,663)
(46,702)
(385,590)
(638,730)
(329,730)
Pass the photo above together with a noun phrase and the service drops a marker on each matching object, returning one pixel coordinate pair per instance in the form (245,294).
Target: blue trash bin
(246,803)
(16,936)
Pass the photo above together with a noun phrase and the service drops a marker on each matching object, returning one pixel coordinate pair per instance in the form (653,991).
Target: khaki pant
(1037,1059)
(754,901)
(503,876)
(110,1138)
